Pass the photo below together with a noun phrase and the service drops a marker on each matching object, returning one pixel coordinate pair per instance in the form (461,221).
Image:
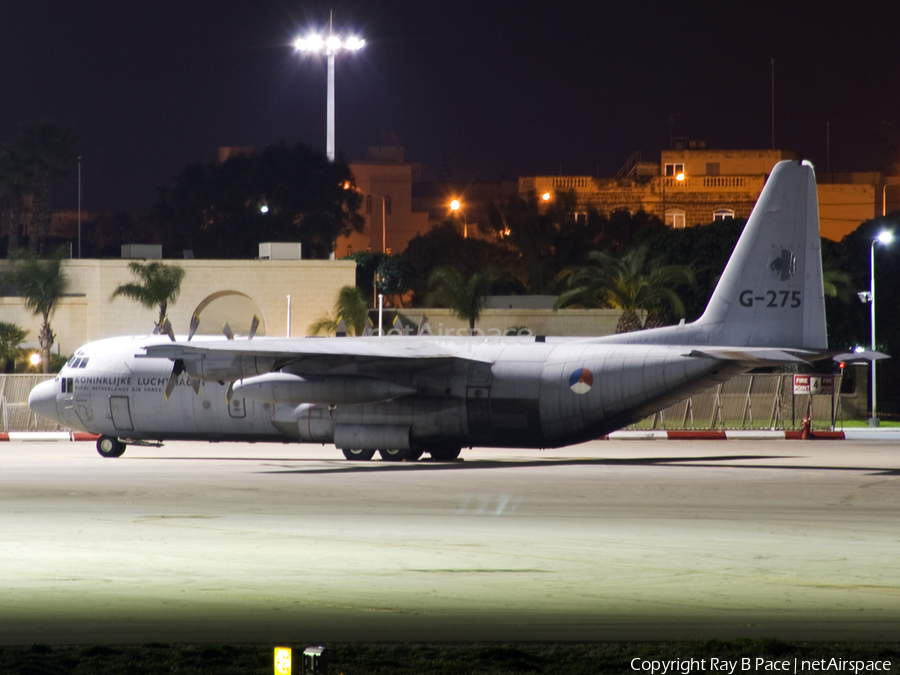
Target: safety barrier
(749,402)
(15,415)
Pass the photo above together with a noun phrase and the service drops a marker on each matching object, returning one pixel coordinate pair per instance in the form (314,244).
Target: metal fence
(749,402)
(15,415)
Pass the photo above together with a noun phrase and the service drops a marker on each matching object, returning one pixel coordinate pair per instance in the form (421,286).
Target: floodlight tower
(330,44)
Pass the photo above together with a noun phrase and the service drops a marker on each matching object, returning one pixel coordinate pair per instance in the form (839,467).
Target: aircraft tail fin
(770,294)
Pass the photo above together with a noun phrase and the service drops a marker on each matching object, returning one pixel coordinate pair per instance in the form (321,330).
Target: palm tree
(350,308)
(159,286)
(11,336)
(42,283)
(449,288)
(630,283)
(47,149)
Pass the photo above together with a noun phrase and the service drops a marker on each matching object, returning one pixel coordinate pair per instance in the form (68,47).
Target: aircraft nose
(42,400)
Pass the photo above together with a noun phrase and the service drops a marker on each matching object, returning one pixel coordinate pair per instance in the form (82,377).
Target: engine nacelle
(310,423)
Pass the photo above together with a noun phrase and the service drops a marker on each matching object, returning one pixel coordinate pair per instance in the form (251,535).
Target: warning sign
(814,384)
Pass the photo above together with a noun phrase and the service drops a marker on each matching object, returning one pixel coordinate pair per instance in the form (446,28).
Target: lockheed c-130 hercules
(408,396)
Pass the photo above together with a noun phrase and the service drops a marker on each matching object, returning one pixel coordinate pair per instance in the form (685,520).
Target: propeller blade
(195,383)
(367,331)
(170,385)
(341,329)
(229,334)
(166,329)
(253,326)
(177,369)
(195,324)
(229,393)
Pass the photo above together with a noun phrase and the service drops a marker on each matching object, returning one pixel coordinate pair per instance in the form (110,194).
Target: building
(693,185)
(385,182)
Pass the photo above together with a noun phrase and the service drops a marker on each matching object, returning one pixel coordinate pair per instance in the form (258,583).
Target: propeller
(229,393)
(195,324)
(195,384)
(229,334)
(341,329)
(177,369)
(253,326)
(166,329)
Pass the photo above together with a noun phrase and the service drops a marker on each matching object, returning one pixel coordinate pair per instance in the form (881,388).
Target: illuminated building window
(722,214)
(675,219)
(674,169)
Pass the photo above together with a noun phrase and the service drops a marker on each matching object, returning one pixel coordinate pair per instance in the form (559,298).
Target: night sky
(501,89)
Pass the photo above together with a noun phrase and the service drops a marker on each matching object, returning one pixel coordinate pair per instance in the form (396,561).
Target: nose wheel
(110,446)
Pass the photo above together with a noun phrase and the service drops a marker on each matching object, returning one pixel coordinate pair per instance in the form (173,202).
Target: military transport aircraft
(404,397)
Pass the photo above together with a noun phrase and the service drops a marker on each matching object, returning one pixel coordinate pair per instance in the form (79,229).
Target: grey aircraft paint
(405,396)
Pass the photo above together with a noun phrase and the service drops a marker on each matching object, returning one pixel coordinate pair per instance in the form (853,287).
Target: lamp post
(455,206)
(679,177)
(885,237)
(331,44)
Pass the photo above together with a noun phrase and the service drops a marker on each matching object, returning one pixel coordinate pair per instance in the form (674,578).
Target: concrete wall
(88,312)
(573,322)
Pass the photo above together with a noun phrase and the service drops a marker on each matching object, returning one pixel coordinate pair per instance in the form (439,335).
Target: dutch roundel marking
(581,381)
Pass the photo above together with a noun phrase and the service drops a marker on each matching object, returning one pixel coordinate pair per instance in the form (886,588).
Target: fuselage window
(68,385)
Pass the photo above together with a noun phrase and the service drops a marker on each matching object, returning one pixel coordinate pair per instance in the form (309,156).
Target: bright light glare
(311,43)
(886,237)
(354,43)
(35,359)
(679,177)
(263,209)
(454,205)
(282,660)
(859,350)
(546,196)
(333,43)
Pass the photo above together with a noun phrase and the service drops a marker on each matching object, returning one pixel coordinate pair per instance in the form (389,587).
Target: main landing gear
(110,446)
(439,453)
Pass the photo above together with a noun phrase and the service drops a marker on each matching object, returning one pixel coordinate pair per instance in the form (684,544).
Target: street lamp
(330,44)
(885,237)
(679,177)
(455,206)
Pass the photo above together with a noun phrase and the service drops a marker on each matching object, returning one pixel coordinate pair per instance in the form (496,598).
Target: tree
(464,295)
(14,184)
(350,307)
(41,283)
(11,336)
(159,286)
(224,210)
(630,283)
(47,150)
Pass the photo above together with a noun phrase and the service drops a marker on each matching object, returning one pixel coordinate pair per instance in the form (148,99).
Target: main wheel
(358,455)
(444,453)
(393,455)
(110,446)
